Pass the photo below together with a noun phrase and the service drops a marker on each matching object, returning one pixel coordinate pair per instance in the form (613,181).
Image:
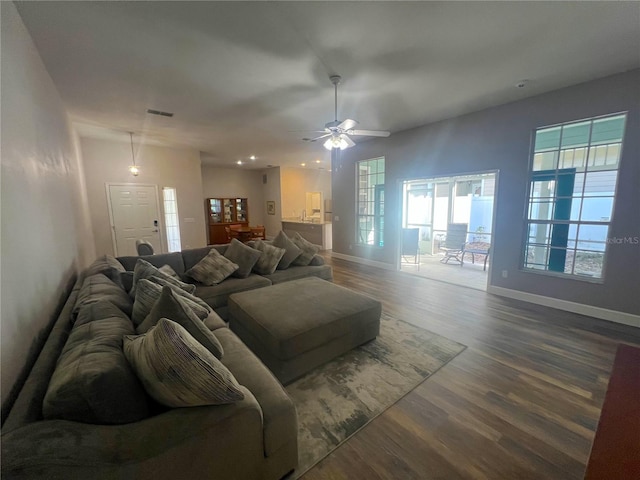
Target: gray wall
(46,234)
(499,139)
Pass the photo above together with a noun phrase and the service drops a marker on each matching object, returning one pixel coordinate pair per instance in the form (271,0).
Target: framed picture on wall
(271,207)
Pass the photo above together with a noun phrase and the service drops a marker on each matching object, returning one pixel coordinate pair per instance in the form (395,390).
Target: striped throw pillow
(269,259)
(148,293)
(212,269)
(177,371)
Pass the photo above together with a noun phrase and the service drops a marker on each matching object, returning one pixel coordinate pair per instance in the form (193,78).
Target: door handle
(156,231)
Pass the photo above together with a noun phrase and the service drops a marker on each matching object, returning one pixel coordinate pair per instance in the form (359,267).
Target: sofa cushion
(242,255)
(291,250)
(171,306)
(317,260)
(108,266)
(308,250)
(280,420)
(324,272)
(98,311)
(144,269)
(93,381)
(177,371)
(269,258)
(212,269)
(98,287)
(173,259)
(217,295)
(104,263)
(148,293)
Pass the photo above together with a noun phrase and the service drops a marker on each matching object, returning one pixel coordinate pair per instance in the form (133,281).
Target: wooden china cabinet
(224,212)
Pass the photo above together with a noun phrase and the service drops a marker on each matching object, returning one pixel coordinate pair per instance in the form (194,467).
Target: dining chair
(258,232)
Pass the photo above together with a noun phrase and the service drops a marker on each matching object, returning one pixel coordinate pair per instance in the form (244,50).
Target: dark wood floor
(522,401)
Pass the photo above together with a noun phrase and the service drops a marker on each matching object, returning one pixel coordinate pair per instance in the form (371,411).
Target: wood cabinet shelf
(223,212)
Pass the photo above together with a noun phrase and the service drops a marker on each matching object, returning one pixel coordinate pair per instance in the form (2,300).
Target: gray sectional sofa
(218,295)
(254,438)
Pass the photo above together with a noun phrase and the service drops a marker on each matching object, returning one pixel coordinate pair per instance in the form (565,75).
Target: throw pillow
(98,287)
(308,250)
(168,270)
(212,269)
(144,269)
(177,371)
(269,258)
(243,256)
(171,306)
(148,293)
(189,296)
(291,250)
(93,381)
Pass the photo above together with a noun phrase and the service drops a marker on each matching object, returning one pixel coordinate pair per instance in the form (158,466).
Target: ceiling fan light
(328,144)
(336,142)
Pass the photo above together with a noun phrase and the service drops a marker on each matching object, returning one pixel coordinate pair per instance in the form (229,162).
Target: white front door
(134,215)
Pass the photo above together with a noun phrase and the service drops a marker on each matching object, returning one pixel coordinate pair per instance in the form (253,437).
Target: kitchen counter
(319,233)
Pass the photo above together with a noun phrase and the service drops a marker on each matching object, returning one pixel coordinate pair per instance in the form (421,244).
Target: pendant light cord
(133,157)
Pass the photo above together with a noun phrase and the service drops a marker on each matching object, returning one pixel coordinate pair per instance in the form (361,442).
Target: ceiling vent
(159,112)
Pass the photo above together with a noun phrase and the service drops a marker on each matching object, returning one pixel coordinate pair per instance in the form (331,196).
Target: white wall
(238,183)
(107,162)
(46,237)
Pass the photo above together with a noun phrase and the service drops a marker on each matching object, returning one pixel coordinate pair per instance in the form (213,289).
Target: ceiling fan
(339,133)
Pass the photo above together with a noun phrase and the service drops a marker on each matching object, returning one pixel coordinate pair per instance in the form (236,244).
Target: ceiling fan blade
(316,138)
(350,143)
(370,133)
(348,124)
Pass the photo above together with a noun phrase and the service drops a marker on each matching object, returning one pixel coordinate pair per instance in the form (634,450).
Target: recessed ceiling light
(252,157)
(318,161)
(239,162)
(303,164)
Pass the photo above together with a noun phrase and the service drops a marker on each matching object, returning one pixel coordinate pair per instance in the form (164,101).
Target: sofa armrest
(317,260)
(225,440)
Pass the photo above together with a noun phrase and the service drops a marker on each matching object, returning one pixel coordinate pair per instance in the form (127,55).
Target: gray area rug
(339,398)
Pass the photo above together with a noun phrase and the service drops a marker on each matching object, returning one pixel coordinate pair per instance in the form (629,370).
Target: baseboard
(363,261)
(589,310)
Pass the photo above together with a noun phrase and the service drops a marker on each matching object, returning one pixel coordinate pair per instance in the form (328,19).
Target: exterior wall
(46,237)
(499,139)
(107,162)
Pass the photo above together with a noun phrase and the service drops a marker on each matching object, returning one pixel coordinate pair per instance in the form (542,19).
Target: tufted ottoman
(298,325)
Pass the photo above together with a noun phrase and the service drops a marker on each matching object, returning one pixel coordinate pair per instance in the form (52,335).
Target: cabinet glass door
(241,209)
(215,210)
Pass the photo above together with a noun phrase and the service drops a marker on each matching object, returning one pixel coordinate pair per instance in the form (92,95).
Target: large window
(574,171)
(370,202)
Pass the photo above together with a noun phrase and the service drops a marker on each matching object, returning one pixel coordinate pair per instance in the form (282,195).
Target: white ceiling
(244,77)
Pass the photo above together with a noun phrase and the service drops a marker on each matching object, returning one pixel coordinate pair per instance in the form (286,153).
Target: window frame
(377,218)
(556,173)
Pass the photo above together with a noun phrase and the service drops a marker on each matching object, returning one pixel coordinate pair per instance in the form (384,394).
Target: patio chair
(411,246)
(453,245)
